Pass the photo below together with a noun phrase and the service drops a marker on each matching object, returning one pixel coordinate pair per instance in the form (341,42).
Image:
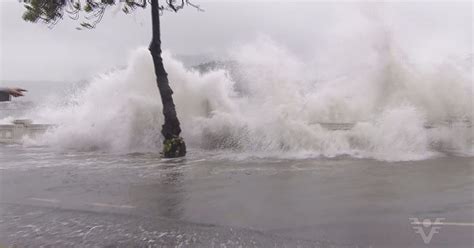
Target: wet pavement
(140,200)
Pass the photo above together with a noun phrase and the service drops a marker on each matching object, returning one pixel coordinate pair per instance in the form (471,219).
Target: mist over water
(406,103)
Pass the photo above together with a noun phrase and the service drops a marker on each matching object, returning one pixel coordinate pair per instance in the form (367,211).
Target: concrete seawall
(15,132)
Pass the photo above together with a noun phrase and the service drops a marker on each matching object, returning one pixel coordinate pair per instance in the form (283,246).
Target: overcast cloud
(36,52)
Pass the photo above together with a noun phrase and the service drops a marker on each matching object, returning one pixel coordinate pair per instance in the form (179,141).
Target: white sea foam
(276,112)
(404,107)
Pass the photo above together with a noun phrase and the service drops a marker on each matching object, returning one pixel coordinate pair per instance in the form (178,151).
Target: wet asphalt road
(226,203)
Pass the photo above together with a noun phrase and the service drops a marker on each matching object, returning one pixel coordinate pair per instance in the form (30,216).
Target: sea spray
(273,103)
(278,115)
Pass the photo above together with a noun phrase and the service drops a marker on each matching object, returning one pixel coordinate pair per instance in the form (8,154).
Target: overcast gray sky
(35,52)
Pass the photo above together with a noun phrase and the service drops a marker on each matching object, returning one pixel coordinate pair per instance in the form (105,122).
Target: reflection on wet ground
(98,199)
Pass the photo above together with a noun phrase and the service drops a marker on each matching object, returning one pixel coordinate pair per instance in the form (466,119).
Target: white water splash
(274,102)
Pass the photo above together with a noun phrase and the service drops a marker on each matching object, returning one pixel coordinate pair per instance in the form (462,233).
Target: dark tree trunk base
(174,148)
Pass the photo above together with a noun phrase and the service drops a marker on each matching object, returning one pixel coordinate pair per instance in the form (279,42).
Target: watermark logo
(421,227)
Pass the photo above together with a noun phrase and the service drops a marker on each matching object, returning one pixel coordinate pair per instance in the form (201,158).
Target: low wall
(15,132)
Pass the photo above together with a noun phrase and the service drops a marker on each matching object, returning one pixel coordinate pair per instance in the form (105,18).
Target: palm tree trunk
(173,144)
